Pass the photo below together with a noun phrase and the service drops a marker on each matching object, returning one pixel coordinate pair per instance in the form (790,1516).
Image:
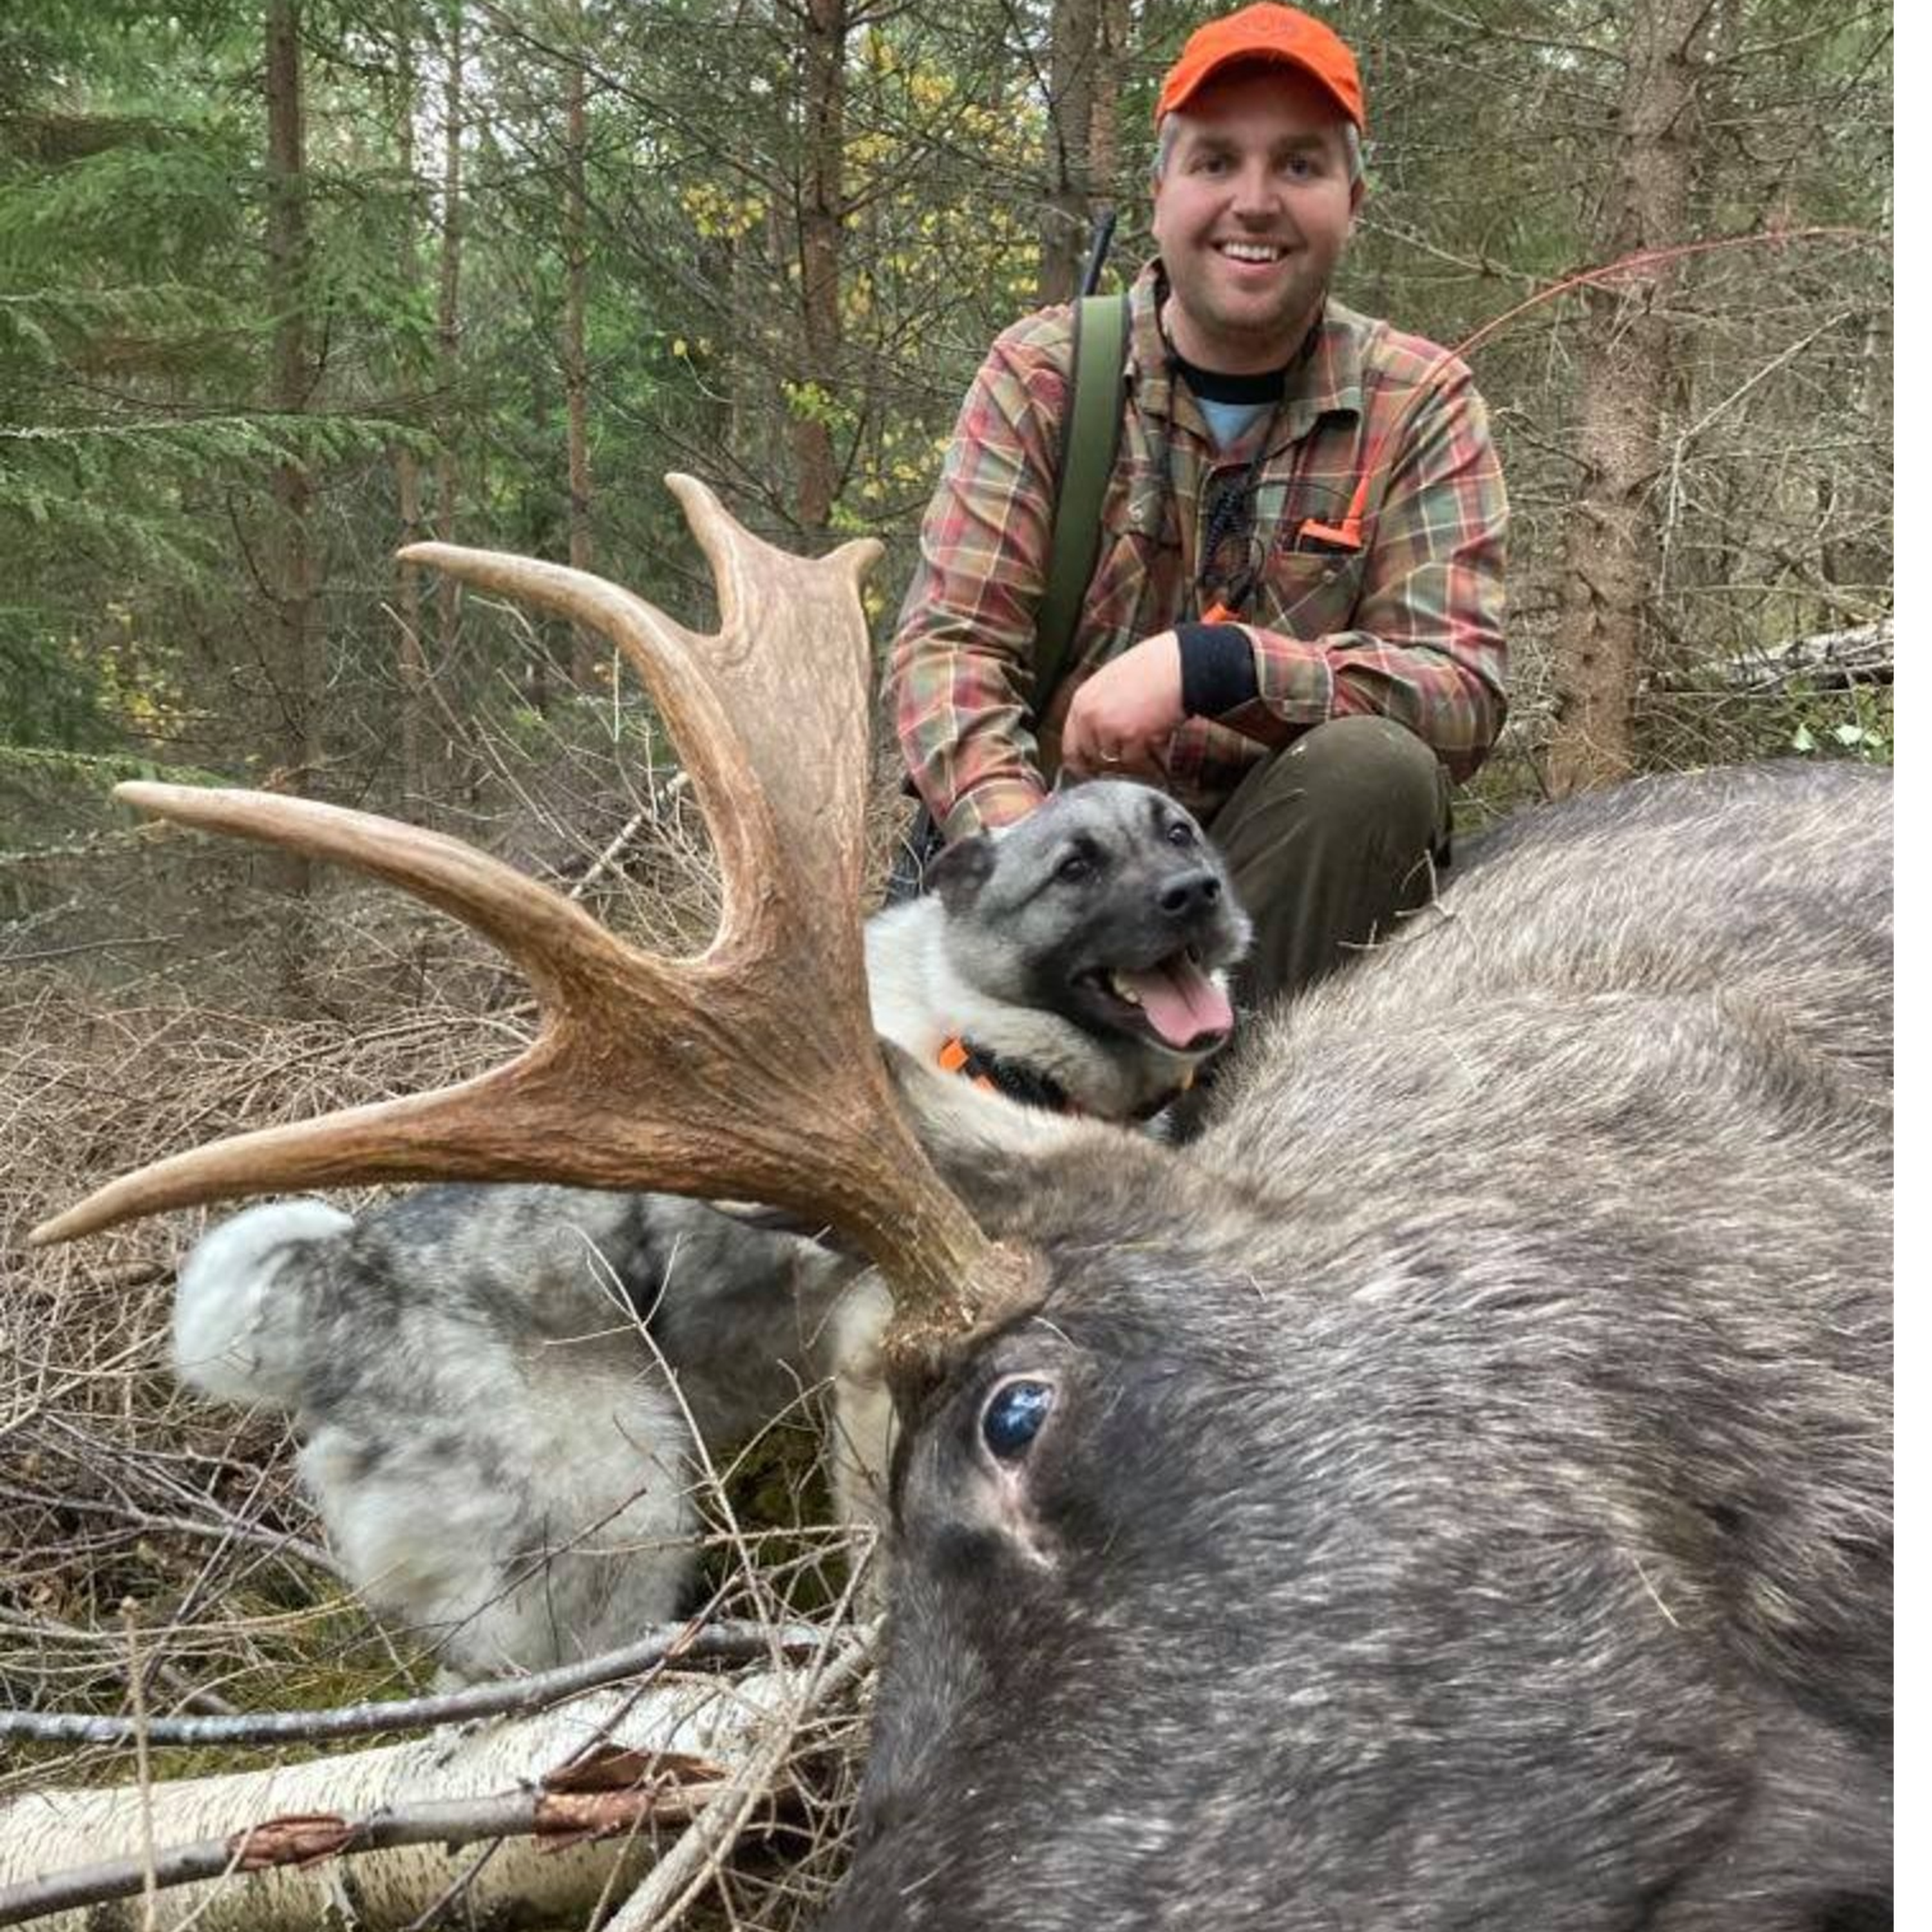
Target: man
(1294,623)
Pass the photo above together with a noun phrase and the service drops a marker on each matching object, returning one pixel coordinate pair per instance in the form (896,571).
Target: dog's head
(1106,908)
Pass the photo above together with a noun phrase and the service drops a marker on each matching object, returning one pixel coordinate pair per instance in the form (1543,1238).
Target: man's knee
(1329,842)
(1367,769)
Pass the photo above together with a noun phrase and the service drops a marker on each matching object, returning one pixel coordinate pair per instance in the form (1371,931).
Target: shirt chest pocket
(1308,594)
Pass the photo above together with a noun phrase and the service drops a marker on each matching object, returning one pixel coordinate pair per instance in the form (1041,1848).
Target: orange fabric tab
(955,1057)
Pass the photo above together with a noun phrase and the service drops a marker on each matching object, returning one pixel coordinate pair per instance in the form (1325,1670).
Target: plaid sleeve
(959,677)
(1426,646)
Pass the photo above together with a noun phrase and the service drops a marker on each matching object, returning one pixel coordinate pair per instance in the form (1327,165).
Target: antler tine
(749,1072)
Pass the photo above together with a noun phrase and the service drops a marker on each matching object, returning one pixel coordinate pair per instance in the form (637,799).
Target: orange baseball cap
(1264,33)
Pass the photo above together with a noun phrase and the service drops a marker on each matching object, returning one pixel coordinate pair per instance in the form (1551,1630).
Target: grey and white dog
(506,1396)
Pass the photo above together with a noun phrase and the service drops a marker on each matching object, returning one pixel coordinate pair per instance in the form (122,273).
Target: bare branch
(719,1643)
(311,1837)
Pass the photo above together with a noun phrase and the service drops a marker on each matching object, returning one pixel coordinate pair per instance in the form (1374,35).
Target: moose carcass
(1456,1492)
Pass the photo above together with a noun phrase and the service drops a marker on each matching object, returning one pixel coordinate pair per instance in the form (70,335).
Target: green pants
(1330,841)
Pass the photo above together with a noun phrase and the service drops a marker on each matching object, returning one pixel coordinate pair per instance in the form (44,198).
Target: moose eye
(1012,1418)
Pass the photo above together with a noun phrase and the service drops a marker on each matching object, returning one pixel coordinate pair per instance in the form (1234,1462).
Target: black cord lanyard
(1230,513)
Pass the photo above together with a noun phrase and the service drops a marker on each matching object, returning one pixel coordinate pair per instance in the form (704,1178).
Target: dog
(506,1396)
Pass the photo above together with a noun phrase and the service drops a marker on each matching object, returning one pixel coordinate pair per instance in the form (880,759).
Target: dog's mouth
(1175,1000)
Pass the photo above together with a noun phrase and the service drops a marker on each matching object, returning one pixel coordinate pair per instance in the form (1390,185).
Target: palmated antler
(750,1072)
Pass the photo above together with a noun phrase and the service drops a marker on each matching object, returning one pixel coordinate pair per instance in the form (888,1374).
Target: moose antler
(750,1072)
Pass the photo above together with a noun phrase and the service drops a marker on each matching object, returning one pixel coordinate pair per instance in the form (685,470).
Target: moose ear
(769,1220)
(983,1145)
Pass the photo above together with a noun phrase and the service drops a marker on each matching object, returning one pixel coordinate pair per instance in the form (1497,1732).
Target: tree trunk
(1103,140)
(289,571)
(413,668)
(821,214)
(1855,517)
(1073,55)
(1611,548)
(535,526)
(585,651)
(449,337)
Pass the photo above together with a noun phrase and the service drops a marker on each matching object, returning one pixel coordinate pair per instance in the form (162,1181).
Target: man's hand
(1120,721)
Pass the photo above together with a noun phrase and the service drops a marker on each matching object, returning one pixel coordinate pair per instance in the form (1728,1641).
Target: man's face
(1251,214)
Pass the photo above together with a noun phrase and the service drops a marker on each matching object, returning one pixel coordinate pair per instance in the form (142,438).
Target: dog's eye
(1076,865)
(1013,1417)
(1181,833)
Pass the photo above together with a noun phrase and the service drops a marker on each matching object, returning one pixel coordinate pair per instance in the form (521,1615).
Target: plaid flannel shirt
(1411,625)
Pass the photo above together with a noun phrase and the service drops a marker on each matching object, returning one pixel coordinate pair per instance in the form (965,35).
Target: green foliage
(138,460)
(1853,724)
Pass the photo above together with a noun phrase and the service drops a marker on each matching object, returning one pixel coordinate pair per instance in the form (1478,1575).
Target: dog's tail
(241,1309)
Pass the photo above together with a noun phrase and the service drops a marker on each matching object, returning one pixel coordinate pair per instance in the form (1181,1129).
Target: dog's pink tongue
(1183,1005)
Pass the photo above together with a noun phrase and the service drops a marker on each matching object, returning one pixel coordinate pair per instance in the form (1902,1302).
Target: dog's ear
(960,870)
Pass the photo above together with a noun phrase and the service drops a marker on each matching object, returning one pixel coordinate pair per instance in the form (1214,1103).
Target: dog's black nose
(1191,892)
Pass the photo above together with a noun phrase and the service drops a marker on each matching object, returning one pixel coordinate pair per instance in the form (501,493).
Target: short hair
(1169,132)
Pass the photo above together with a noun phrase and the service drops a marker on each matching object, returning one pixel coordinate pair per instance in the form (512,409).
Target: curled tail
(241,1312)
